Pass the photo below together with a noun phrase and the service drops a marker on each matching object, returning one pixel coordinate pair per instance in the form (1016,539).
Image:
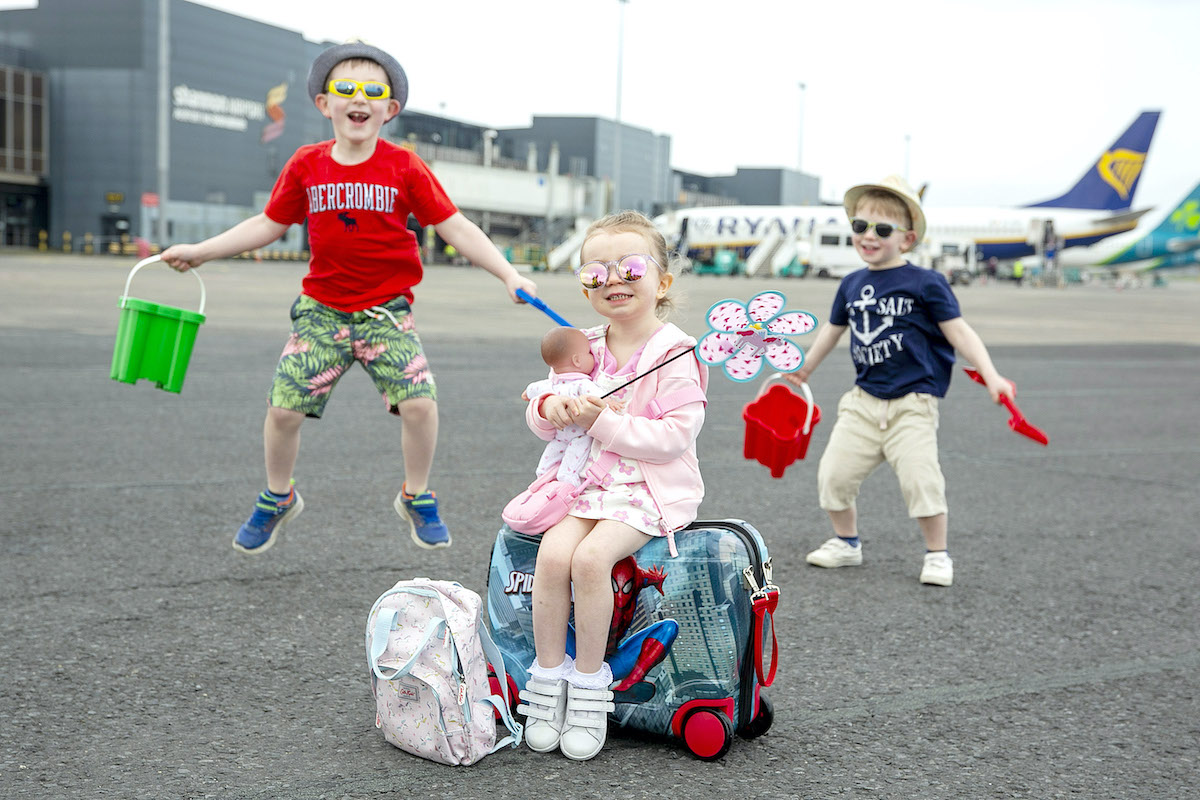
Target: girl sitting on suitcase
(655,487)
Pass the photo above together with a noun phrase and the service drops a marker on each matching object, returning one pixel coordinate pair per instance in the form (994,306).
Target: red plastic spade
(1017,421)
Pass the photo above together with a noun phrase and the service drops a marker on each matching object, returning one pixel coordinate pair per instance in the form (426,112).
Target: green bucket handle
(151,260)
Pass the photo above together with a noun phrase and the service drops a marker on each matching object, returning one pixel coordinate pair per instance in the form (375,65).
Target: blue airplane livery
(1110,183)
(1098,206)
(1173,242)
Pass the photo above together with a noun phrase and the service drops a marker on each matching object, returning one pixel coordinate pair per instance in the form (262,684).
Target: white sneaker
(545,710)
(587,722)
(835,553)
(938,569)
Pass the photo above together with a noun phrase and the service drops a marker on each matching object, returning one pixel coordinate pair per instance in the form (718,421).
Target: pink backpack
(428,650)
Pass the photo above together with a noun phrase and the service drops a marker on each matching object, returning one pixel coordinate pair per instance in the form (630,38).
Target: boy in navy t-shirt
(905,325)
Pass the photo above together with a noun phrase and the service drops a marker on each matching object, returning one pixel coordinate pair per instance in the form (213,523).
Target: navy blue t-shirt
(895,343)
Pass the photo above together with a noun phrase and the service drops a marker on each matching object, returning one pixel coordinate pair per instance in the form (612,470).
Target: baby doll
(568,353)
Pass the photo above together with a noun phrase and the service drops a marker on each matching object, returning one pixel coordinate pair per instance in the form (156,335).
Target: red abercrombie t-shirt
(362,252)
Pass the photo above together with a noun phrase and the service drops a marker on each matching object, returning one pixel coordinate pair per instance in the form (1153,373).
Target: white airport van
(831,252)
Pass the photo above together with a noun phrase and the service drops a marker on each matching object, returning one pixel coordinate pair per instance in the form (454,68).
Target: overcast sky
(1002,103)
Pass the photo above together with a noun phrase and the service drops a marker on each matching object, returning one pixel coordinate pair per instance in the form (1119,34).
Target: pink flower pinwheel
(742,335)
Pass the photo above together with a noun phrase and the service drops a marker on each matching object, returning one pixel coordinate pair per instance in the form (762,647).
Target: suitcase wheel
(707,733)
(762,720)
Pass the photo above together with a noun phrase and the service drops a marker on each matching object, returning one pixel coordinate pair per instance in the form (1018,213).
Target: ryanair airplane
(1173,242)
(1096,207)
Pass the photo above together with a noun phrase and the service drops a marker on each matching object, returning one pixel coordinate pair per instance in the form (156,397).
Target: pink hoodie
(665,447)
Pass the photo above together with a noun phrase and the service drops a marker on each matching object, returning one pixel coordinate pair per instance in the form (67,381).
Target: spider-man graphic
(631,658)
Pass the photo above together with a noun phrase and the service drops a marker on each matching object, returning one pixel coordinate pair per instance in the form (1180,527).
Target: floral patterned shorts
(326,341)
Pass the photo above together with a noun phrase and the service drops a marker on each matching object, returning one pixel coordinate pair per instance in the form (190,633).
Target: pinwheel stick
(647,372)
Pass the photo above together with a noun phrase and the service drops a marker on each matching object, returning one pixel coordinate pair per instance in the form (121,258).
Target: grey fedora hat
(333,56)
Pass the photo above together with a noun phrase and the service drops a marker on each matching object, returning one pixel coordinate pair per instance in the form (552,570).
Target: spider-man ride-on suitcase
(692,641)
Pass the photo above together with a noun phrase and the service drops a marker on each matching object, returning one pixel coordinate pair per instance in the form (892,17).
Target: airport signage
(214,110)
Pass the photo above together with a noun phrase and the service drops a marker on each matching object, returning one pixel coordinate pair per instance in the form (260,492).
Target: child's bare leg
(419,429)
(552,589)
(934,530)
(591,571)
(845,522)
(281,446)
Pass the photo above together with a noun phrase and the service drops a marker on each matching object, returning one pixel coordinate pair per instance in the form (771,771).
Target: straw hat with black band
(318,74)
(894,185)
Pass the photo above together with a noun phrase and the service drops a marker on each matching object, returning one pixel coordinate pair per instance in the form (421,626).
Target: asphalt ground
(142,657)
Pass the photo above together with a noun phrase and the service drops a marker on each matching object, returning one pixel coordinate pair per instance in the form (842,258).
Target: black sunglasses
(882,229)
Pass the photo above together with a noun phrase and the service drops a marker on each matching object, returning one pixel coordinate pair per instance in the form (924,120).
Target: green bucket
(154,340)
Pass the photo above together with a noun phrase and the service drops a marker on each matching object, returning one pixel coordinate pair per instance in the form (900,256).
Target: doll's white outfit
(568,451)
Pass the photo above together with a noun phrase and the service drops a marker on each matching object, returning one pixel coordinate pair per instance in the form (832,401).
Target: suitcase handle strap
(763,602)
(762,607)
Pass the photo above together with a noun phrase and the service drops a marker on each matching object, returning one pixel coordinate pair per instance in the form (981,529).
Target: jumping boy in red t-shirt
(356,192)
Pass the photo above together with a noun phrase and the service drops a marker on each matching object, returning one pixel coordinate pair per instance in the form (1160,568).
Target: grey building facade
(24,150)
(589,146)
(229,79)
(764,186)
(237,108)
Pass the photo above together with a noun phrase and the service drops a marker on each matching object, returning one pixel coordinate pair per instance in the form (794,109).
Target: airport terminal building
(116,114)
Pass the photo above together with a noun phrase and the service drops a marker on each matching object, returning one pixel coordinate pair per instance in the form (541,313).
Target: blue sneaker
(424,523)
(270,515)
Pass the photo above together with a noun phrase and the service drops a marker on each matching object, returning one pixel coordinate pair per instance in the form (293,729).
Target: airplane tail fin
(1110,183)
(1183,223)
(1173,241)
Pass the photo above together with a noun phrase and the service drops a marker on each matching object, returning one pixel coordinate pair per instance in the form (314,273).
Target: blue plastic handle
(540,306)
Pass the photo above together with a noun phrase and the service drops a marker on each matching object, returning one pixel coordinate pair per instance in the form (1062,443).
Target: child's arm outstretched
(467,238)
(967,342)
(827,339)
(249,234)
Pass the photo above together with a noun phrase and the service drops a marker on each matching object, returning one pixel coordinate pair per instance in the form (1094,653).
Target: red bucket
(779,425)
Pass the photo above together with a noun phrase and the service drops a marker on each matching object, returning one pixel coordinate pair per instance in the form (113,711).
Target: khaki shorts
(325,343)
(869,431)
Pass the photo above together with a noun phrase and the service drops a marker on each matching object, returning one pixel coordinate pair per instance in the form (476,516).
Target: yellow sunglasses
(372,90)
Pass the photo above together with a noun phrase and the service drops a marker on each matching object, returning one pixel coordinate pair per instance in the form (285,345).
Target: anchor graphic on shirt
(866,335)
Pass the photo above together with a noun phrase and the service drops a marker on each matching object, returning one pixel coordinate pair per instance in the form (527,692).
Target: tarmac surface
(142,657)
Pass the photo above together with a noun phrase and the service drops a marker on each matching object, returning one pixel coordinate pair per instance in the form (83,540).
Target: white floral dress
(627,499)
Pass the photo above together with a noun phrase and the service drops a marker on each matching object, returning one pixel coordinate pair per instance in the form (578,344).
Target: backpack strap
(598,471)
(500,702)
(379,641)
(659,407)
